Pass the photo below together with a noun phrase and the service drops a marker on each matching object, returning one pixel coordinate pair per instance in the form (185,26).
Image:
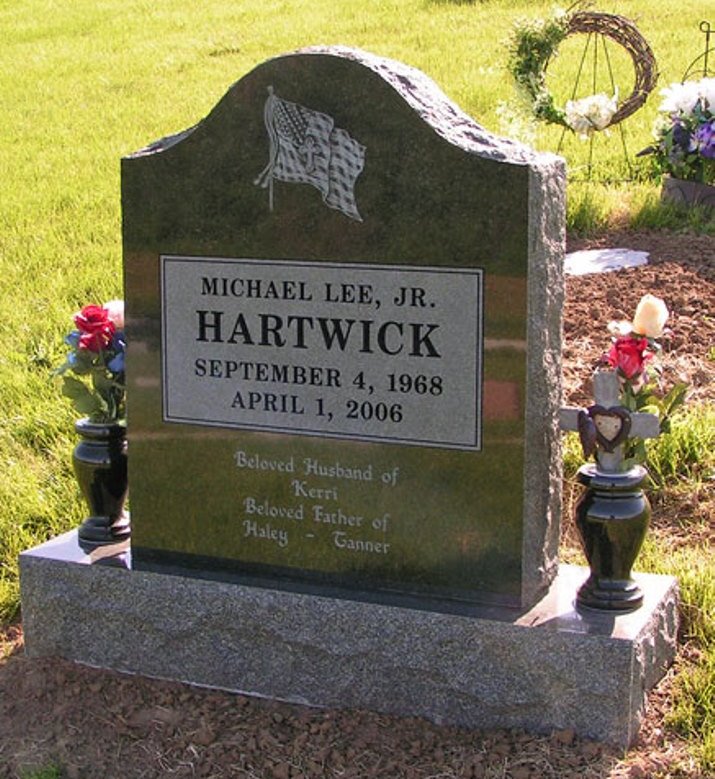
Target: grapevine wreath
(535,42)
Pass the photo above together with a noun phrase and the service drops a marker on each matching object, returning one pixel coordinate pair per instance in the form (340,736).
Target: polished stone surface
(548,667)
(291,415)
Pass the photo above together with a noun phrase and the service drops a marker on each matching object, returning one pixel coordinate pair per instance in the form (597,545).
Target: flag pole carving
(305,147)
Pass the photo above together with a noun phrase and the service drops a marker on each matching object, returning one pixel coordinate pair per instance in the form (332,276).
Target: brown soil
(681,270)
(95,723)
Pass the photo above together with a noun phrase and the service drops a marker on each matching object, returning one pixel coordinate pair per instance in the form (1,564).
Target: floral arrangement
(97,357)
(685,132)
(633,354)
(534,42)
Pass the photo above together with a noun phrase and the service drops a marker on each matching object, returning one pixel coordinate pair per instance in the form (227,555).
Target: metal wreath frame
(624,32)
(705,71)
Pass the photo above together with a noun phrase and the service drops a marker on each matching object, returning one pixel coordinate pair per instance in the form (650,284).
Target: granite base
(547,668)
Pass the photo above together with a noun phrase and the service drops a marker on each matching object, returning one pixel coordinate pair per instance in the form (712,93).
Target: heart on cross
(612,425)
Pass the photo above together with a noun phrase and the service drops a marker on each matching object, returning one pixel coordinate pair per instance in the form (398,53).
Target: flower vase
(688,193)
(100,465)
(612,518)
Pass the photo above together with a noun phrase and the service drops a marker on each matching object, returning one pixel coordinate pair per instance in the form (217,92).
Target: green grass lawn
(84,83)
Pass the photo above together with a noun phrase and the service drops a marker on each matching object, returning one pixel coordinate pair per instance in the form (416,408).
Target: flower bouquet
(685,132)
(93,373)
(633,354)
(93,378)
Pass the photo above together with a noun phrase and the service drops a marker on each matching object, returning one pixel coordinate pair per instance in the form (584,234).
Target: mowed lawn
(85,83)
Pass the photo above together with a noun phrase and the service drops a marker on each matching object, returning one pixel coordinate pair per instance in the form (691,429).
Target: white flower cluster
(590,113)
(680,98)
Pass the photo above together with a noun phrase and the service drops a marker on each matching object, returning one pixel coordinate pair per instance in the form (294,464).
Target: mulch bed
(96,723)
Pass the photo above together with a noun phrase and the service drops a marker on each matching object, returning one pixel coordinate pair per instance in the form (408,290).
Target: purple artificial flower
(705,137)
(682,137)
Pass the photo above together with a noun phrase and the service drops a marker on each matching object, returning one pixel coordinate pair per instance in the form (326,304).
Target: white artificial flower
(707,92)
(661,125)
(620,329)
(560,14)
(650,317)
(115,312)
(680,98)
(578,123)
(590,113)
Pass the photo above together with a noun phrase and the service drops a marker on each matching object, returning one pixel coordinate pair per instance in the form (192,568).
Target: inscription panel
(366,352)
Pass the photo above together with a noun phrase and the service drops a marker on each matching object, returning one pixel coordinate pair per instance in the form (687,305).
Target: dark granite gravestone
(344,303)
(343,310)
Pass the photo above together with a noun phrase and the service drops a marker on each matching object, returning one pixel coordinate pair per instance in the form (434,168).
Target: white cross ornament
(608,424)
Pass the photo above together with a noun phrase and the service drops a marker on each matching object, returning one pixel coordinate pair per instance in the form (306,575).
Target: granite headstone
(344,303)
(343,308)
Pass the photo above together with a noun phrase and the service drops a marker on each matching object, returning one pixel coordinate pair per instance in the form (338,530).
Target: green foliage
(48,772)
(683,453)
(693,712)
(693,715)
(593,208)
(687,451)
(648,400)
(654,214)
(84,401)
(662,406)
(572,455)
(587,212)
(102,400)
(533,43)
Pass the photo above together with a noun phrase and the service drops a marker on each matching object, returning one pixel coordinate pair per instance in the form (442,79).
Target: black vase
(100,465)
(612,517)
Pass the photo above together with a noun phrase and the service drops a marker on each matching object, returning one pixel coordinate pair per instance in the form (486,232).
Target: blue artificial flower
(118,345)
(119,341)
(73,339)
(116,364)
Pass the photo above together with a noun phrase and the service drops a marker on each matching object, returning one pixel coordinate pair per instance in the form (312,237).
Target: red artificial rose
(629,355)
(95,327)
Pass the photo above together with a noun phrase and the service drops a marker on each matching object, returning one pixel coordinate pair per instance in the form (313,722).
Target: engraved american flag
(307,148)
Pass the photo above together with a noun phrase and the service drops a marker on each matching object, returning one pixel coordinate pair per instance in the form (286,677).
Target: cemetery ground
(62,720)
(90,82)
